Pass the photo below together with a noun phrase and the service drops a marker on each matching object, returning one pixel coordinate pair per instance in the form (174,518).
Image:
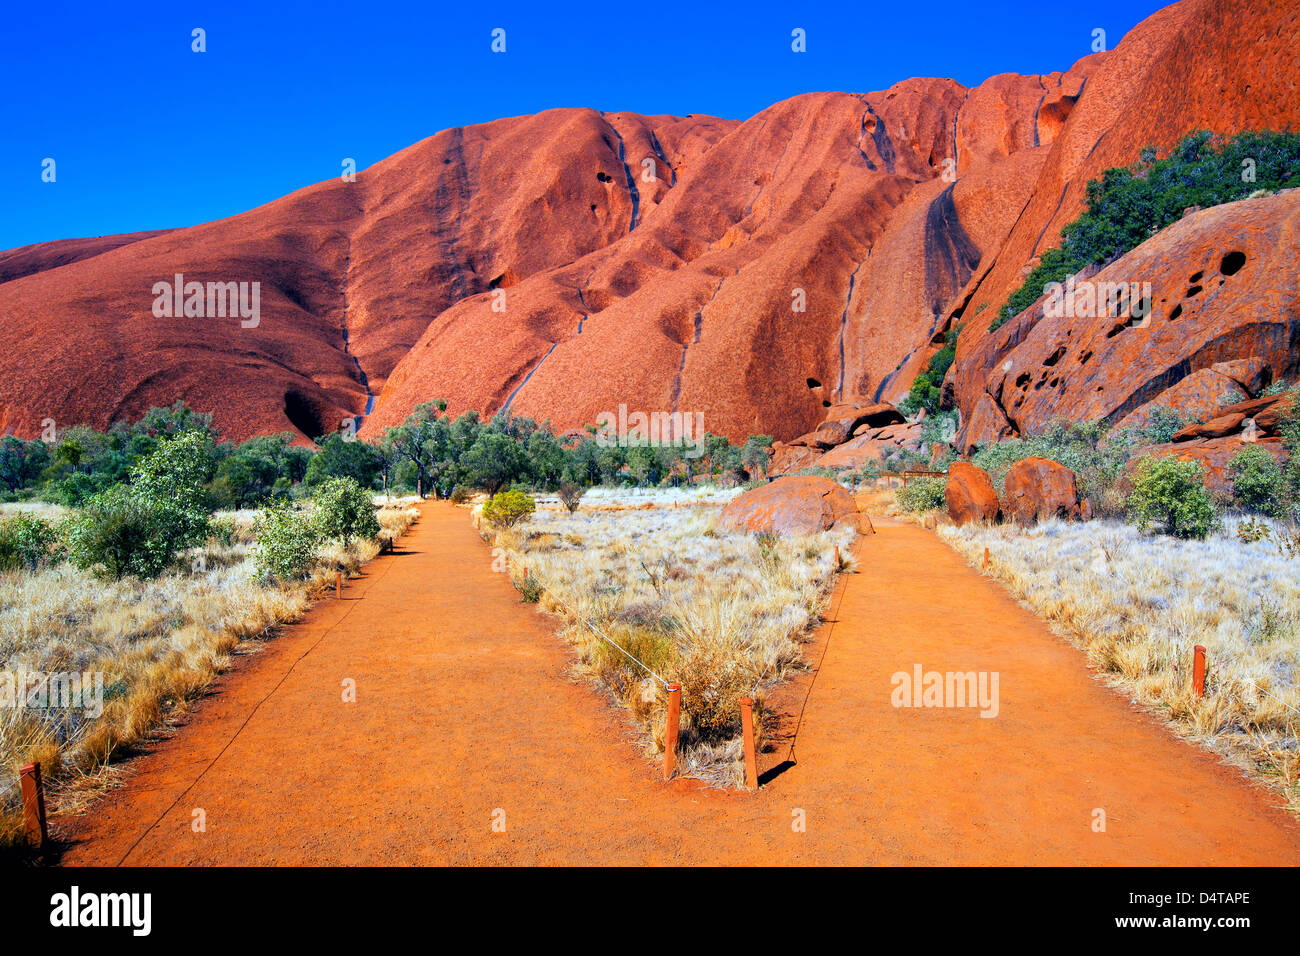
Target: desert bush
(529,588)
(1258,481)
(1171,494)
(922,494)
(1096,456)
(286,544)
(571,495)
(174,478)
(344,511)
(26,543)
(506,509)
(1161,424)
(461,494)
(119,532)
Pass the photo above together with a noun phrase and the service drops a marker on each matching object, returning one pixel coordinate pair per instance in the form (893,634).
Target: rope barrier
(600,633)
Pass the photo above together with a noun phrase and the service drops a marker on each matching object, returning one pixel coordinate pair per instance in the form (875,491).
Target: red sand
(464,706)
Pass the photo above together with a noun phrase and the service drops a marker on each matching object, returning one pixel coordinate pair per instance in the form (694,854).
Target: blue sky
(147,134)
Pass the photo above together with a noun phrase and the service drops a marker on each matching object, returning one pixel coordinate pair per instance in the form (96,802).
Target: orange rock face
(970,494)
(794,505)
(760,273)
(1038,488)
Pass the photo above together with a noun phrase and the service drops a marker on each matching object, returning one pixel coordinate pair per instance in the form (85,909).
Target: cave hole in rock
(1232,262)
(1054,357)
(813,383)
(604,177)
(1196,277)
(304,414)
(1194,290)
(1178,310)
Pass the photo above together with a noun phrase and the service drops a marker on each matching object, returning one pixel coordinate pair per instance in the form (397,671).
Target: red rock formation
(970,494)
(812,256)
(1038,488)
(794,505)
(1225,317)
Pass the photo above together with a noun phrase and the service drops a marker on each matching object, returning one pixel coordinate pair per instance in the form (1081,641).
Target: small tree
(506,509)
(286,544)
(344,511)
(119,532)
(571,495)
(1171,493)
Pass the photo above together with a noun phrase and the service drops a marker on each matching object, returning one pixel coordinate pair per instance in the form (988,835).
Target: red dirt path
(464,706)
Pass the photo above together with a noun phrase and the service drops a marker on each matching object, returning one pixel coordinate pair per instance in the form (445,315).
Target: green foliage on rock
(1129,205)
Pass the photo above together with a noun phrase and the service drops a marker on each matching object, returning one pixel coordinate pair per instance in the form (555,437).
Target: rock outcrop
(792,505)
(1039,488)
(770,274)
(970,494)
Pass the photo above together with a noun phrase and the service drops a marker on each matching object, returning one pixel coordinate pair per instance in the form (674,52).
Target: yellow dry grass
(1137,604)
(157,643)
(725,615)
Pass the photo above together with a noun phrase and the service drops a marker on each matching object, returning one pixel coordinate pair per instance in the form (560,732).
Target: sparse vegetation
(724,614)
(157,639)
(1135,604)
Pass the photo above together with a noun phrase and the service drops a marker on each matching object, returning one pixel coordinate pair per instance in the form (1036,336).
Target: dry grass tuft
(725,615)
(1137,604)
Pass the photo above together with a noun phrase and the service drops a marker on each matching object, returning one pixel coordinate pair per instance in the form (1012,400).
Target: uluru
(761,271)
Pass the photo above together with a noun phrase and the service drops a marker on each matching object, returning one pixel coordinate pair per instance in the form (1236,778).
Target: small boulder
(1038,488)
(970,494)
(793,505)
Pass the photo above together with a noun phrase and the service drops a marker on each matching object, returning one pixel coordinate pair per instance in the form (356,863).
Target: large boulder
(970,494)
(793,505)
(1038,488)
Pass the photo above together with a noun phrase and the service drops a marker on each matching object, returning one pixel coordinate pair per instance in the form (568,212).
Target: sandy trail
(464,707)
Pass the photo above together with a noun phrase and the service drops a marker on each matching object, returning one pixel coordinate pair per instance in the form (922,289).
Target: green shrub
(461,495)
(506,509)
(1161,425)
(1171,494)
(120,532)
(1258,481)
(927,387)
(922,494)
(26,542)
(1097,457)
(173,480)
(286,544)
(344,511)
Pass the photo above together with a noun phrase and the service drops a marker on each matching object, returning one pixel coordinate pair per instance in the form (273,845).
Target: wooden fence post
(747,725)
(33,806)
(671,729)
(1198,670)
